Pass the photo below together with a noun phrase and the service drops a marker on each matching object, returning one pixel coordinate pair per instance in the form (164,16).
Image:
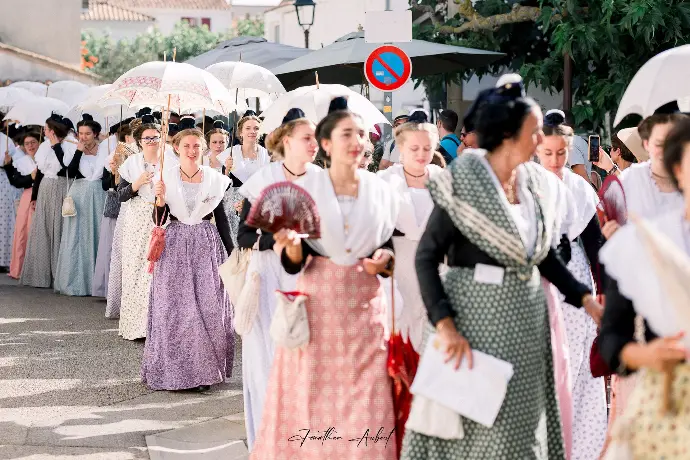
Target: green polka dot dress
(508,321)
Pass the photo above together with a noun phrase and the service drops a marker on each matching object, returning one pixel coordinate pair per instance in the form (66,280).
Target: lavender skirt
(190,340)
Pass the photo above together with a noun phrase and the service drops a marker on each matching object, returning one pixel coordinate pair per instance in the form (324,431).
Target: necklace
(293,174)
(188,176)
(661,180)
(412,175)
(510,192)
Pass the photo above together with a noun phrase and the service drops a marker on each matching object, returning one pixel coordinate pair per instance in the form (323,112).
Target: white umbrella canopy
(315,100)
(36,111)
(251,80)
(38,89)
(662,79)
(106,112)
(185,86)
(69,92)
(9,96)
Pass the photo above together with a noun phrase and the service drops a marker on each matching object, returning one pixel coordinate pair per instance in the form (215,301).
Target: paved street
(70,388)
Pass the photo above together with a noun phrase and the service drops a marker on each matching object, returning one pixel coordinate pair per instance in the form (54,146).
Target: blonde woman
(247,158)
(294,147)
(417,143)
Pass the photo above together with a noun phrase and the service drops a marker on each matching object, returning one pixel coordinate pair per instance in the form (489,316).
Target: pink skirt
(334,399)
(561,364)
(21,234)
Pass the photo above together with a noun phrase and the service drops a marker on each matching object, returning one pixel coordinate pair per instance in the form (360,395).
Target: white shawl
(627,261)
(133,167)
(25,165)
(91,166)
(407,217)
(7,144)
(642,195)
(211,192)
(269,174)
(585,200)
(48,163)
(243,168)
(372,217)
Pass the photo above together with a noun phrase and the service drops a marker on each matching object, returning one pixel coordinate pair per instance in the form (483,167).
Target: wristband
(613,170)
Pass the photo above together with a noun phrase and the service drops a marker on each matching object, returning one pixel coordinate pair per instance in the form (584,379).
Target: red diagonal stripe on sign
(387,67)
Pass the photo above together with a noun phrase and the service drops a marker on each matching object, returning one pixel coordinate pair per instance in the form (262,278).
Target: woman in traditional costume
(137,175)
(339,379)
(493,207)
(294,146)
(114,289)
(111,210)
(9,194)
(644,329)
(583,235)
(217,139)
(21,173)
(417,143)
(649,192)
(79,242)
(247,157)
(50,188)
(189,343)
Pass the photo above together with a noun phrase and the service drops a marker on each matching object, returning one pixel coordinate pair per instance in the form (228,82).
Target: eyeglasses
(463,135)
(150,140)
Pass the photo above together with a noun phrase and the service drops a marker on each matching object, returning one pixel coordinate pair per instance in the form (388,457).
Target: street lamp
(305,17)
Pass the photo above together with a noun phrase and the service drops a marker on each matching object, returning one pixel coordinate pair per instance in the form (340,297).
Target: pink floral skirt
(334,399)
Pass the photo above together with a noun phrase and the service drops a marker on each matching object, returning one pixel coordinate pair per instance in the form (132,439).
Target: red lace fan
(613,202)
(285,205)
(613,207)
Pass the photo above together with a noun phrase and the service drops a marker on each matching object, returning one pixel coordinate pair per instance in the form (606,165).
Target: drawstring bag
(157,242)
(247,306)
(290,324)
(233,272)
(68,207)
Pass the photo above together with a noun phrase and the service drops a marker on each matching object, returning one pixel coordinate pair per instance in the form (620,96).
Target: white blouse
(643,196)
(243,168)
(47,161)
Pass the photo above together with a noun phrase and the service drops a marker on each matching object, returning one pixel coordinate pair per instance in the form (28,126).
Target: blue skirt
(79,242)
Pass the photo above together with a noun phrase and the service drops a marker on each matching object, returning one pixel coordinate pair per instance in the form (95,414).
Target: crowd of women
(502,252)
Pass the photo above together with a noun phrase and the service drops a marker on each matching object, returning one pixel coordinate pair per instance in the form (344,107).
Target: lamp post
(305,17)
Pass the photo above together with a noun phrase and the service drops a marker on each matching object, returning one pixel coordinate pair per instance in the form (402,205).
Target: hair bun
(293,114)
(510,86)
(147,119)
(338,103)
(173,128)
(554,117)
(218,124)
(249,113)
(187,122)
(418,116)
(86,117)
(143,111)
(56,117)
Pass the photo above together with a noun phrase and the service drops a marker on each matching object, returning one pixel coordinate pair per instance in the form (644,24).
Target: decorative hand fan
(613,202)
(285,205)
(614,207)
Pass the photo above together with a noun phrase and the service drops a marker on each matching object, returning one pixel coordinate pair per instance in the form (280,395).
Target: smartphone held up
(594,145)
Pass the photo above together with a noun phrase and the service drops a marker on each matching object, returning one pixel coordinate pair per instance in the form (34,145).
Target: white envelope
(476,394)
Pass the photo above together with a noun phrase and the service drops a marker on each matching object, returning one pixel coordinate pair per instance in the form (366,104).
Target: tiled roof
(174,4)
(101,10)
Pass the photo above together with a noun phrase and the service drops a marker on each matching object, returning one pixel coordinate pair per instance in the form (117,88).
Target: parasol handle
(7,141)
(390,273)
(317,79)
(106,124)
(666,394)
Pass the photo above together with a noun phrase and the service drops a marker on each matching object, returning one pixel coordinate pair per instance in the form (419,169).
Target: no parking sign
(388,68)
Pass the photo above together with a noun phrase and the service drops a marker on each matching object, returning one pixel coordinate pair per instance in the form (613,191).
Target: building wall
(117,30)
(241,11)
(332,20)
(51,28)
(221,20)
(16,68)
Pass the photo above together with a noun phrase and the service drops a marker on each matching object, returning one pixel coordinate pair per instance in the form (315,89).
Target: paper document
(476,394)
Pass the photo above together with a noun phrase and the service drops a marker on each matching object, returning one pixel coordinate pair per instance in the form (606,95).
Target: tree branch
(431,11)
(466,9)
(478,23)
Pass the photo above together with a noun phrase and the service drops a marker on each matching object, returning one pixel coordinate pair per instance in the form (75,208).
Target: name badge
(488,274)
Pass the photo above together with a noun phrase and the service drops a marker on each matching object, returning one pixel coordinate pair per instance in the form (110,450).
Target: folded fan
(285,205)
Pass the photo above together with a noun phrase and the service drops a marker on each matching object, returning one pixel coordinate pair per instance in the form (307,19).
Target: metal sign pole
(388,105)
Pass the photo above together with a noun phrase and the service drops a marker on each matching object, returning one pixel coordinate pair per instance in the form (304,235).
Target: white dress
(415,208)
(257,346)
(589,412)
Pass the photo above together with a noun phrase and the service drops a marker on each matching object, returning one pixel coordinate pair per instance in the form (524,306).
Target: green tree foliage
(608,40)
(116,58)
